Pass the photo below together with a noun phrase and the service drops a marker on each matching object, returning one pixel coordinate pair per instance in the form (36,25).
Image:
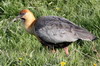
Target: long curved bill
(17,18)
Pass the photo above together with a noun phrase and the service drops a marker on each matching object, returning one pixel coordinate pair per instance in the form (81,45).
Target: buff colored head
(26,15)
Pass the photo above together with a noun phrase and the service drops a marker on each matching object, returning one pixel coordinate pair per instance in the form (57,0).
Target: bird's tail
(86,36)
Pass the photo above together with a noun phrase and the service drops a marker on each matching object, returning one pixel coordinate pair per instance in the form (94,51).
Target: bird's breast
(31,30)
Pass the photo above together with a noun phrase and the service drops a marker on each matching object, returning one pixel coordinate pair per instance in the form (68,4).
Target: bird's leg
(53,50)
(47,47)
(66,51)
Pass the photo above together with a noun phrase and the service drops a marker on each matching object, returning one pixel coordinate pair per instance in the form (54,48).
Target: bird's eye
(22,14)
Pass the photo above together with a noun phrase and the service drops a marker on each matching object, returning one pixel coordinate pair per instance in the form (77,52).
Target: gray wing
(56,30)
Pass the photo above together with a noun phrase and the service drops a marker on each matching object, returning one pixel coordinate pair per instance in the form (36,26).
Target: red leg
(66,51)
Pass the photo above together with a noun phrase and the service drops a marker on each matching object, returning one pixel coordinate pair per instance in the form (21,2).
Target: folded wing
(55,29)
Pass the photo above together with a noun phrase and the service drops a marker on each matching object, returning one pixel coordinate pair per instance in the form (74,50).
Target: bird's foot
(66,51)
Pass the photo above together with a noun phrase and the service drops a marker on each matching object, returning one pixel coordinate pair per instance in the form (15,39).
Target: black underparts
(58,45)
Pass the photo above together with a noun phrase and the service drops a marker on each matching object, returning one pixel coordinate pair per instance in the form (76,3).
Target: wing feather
(55,29)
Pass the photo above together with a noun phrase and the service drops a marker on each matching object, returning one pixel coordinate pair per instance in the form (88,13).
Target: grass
(18,48)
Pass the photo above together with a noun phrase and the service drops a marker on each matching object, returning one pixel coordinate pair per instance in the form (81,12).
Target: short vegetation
(19,48)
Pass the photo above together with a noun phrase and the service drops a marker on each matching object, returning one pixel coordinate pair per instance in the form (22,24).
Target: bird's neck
(29,22)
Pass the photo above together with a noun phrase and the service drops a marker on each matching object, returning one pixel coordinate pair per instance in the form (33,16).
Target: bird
(53,31)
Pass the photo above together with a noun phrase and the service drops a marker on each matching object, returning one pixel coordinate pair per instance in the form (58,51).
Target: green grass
(16,43)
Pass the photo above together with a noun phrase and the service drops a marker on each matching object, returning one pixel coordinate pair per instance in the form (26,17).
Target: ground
(18,48)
